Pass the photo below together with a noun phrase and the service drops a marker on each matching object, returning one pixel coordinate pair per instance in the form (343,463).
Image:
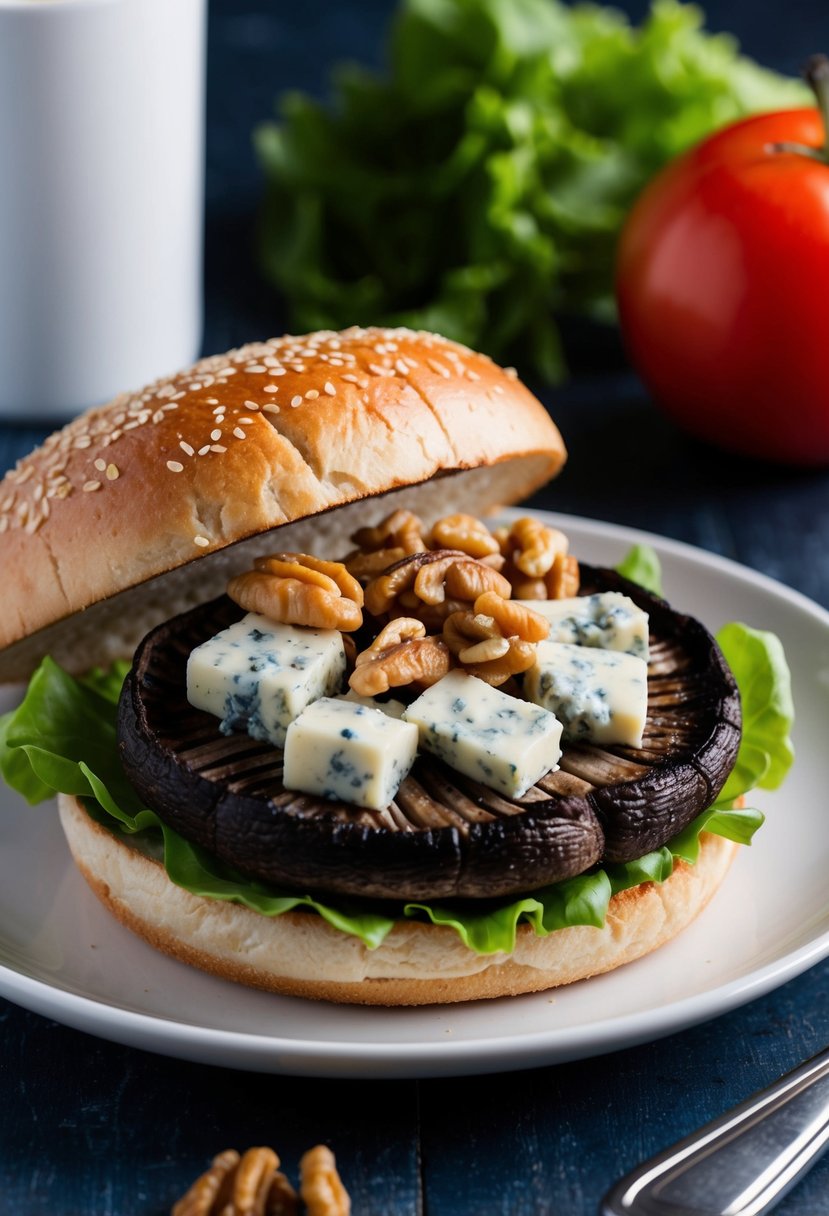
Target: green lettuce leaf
(477,185)
(641,565)
(62,738)
(762,674)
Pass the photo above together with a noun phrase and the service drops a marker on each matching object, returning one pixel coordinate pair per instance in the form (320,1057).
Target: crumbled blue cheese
(348,752)
(257,675)
(609,620)
(500,740)
(600,696)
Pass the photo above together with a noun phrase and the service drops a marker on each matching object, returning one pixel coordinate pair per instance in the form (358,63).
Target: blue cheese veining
(499,740)
(348,752)
(600,696)
(608,620)
(257,676)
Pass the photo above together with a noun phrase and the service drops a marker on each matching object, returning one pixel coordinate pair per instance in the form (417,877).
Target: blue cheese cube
(500,740)
(608,620)
(348,752)
(600,696)
(257,675)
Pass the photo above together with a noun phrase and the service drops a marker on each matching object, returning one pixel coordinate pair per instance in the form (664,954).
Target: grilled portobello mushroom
(445,835)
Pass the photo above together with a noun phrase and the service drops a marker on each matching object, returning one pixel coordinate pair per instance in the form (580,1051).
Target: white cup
(101,198)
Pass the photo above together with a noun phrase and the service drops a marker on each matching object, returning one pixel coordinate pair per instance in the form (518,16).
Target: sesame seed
(312,394)
(246,421)
(328,387)
(351,378)
(239,433)
(271,388)
(439,368)
(295,401)
(255,367)
(219,418)
(271,409)
(158,416)
(216,435)
(211,401)
(217,447)
(401,367)
(472,375)
(278,371)
(89,486)
(100,464)
(201,541)
(203,451)
(175,466)
(185,447)
(178,396)
(219,410)
(194,388)
(113,472)
(84,441)
(251,405)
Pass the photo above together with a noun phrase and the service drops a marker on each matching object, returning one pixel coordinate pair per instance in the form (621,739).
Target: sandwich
(319,724)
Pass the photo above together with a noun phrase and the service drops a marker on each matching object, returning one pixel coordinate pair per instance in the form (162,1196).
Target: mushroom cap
(445,835)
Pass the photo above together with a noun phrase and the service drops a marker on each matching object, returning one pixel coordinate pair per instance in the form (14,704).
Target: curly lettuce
(477,186)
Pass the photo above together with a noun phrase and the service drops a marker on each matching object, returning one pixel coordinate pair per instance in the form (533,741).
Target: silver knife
(741,1164)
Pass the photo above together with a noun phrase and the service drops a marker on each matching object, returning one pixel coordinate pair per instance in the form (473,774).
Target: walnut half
(252,1185)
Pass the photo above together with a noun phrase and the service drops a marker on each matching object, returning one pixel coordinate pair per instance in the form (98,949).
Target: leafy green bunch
(478,186)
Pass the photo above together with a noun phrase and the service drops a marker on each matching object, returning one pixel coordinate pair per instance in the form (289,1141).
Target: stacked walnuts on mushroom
(455,595)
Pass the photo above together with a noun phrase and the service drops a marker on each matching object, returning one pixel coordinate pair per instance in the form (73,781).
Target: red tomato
(723,289)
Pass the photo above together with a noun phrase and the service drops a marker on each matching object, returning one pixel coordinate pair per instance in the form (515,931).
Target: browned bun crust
(299,954)
(132,494)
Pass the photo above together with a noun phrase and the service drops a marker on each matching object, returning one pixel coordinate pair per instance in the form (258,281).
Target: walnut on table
(252,1185)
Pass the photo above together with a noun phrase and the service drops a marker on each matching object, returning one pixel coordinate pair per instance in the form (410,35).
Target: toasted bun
(299,954)
(136,510)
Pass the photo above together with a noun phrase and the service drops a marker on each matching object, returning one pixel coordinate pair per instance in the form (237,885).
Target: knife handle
(742,1163)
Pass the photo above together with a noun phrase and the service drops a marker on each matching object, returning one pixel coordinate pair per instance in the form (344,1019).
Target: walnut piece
(463,532)
(402,529)
(250,1185)
(299,589)
(320,1186)
(383,593)
(481,647)
(513,618)
(421,661)
(536,561)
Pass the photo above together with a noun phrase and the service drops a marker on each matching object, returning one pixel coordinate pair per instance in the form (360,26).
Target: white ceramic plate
(63,956)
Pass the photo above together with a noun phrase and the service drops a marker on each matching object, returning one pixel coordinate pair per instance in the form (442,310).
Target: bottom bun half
(299,954)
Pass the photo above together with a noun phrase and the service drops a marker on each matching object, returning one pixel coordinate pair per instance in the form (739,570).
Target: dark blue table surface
(87,1126)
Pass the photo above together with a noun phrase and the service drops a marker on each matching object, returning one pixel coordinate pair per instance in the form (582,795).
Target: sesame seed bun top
(145,506)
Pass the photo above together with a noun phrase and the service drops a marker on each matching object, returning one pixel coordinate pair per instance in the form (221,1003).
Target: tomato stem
(816,74)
